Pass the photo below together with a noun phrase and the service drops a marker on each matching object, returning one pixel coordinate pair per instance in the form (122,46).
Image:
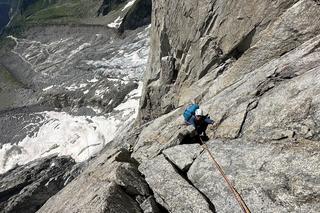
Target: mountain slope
(68,85)
(254,67)
(28,13)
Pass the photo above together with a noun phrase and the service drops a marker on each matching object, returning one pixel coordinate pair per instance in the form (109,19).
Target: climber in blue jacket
(194,116)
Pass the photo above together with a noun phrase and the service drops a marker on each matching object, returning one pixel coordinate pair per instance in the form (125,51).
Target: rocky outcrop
(183,155)
(270,177)
(171,190)
(138,15)
(108,5)
(111,183)
(26,188)
(165,132)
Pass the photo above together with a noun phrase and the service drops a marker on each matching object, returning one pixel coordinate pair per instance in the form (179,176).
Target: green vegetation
(42,12)
(50,12)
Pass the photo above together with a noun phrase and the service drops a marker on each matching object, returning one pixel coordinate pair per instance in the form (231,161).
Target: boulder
(183,156)
(111,183)
(170,189)
(164,132)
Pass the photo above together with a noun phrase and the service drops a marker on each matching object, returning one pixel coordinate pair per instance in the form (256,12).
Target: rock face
(27,188)
(254,67)
(171,190)
(112,183)
(222,43)
(138,15)
(183,155)
(270,177)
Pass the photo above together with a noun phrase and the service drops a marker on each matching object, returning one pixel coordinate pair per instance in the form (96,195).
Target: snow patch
(47,88)
(116,23)
(129,4)
(81,47)
(95,109)
(74,87)
(94,80)
(80,137)
(100,92)
(13,38)
(132,100)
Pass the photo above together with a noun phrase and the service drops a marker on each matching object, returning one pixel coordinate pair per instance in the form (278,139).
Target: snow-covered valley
(85,87)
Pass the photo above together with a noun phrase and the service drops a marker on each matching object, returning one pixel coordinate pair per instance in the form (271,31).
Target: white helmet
(199,112)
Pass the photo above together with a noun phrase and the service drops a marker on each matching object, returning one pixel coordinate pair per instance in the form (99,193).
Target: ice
(95,109)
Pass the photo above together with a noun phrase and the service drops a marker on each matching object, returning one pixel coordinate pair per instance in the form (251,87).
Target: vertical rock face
(190,40)
(254,67)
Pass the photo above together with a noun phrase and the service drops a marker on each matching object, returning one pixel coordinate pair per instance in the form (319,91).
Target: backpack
(189,111)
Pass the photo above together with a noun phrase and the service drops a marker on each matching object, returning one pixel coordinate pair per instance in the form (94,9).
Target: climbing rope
(236,194)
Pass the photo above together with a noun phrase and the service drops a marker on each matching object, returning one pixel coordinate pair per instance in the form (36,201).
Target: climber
(193,115)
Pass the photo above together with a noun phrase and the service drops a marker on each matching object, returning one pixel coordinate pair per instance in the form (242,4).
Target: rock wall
(217,42)
(254,67)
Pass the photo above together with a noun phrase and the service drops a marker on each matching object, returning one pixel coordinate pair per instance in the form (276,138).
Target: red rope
(236,194)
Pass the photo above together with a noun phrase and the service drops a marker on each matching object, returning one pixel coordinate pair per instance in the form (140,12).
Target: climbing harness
(236,194)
